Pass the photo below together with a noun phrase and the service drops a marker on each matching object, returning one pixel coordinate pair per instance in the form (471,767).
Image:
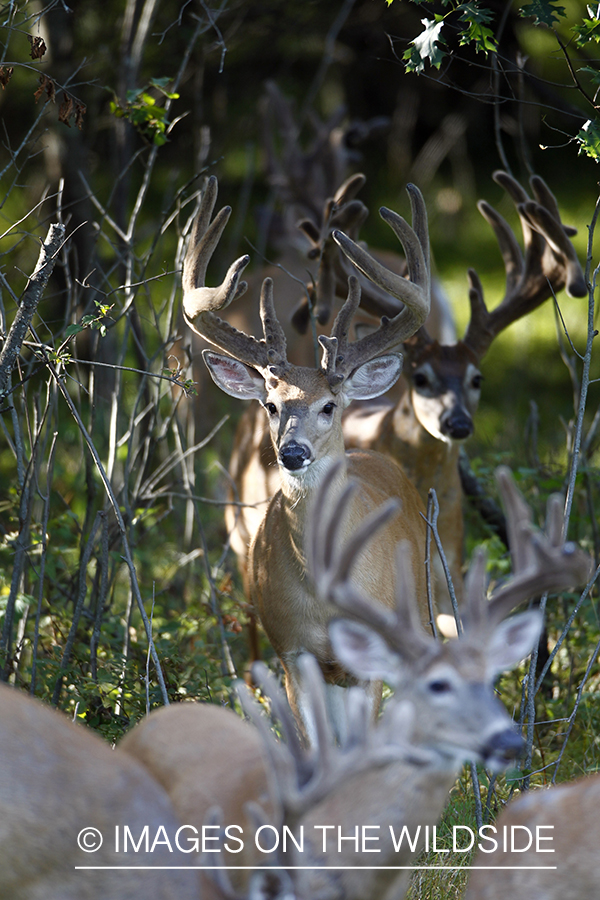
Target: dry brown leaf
(5,75)
(38,47)
(66,110)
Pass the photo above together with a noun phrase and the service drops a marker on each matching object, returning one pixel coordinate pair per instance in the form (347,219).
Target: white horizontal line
(289,868)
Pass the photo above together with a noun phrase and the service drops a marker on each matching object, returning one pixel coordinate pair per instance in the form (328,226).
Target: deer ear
(363,651)
(513,640)
(373,378)
(234,377)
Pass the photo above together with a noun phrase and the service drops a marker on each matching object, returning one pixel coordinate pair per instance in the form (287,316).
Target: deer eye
(271,408)
(328,409)
(420,380)
(441,686)
(476,381)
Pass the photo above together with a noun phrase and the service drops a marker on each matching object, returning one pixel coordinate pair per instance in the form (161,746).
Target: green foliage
(588,29)
(588,139)
(142,110)
(544,12)
(431,46)
(427,47)
(478,34)
(93,320)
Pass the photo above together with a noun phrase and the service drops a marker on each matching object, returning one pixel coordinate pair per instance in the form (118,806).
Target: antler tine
(407,636)
(274,335)
(203,241)
(281,711)
(519,518)
(217,872)
(512,256)
(556,235)
(330,554)
(475,589)
(200,302)
(415,293)
(320,537)
(330,558)
(541,562)
(342,211)
(340,356)
(549,264)
(335,764)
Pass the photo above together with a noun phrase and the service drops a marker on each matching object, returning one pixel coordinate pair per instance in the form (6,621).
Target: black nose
(293,456)
(457,426)
(504,745)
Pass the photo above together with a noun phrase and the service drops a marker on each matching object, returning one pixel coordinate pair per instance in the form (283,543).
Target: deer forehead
(451,359)
(461,656)
(300,386)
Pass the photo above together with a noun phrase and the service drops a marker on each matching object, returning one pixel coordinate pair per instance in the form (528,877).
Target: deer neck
(416,447)
(298,492)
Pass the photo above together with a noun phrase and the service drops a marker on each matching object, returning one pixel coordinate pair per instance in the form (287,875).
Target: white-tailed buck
(425,427)
(65,801)
(379,778)
(304,408)
(552,840)
(314,194)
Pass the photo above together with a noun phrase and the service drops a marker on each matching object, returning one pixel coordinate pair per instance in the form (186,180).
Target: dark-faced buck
(378,779)
(425,428)
(304,409)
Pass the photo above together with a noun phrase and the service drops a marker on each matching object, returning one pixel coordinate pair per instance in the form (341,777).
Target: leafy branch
(144,113)
(470,24)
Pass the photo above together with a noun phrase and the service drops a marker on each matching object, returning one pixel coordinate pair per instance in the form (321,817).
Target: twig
(585,375)
(45,519)
(428,566)
(29,304)
(432,523)
(122,530)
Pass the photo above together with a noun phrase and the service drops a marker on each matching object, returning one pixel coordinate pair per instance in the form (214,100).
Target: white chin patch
(307,477)
(436,433)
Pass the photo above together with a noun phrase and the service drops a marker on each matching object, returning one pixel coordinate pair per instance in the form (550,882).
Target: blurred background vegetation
(111,116)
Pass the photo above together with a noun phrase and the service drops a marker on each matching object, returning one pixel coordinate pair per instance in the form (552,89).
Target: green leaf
(70,330)
(481,36)
(593,73)
(588,29)
(513,776)
(471,12)
(589,139)
(545,12)
(425,47)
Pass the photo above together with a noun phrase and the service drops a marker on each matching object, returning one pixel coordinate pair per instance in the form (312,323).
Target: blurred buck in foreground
(424,429)
(304,408)
(379,778)
(58,782)
(189,766)
(566,819)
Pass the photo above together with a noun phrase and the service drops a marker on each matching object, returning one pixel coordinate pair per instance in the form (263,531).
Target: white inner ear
(234,377)
(373,378)
(513,640)
(363,651)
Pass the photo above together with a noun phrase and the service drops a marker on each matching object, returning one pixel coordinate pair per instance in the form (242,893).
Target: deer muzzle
(502,748)
(295,456)
(457,424)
